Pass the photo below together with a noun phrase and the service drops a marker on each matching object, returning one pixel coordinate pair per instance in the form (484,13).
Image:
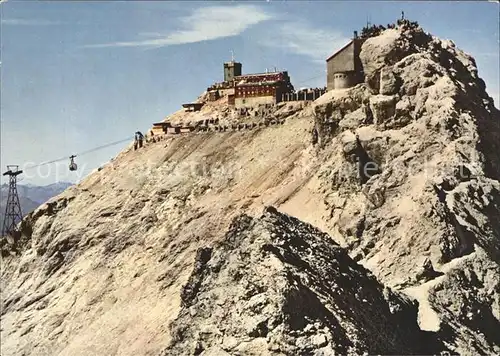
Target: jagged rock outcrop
(342,112)
(383,108)
(277,286)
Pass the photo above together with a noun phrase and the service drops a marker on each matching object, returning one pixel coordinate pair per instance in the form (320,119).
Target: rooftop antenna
(13,213)
(232,56)
(402,15)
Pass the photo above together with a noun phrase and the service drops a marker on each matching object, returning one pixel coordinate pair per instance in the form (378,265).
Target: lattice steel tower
(13,213)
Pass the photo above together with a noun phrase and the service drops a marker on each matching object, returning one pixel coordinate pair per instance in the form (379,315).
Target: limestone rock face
(437,191)
(401,174)
(383,108)
(374,52)
(347,111)
(289,301)
(389,83)
(388,48)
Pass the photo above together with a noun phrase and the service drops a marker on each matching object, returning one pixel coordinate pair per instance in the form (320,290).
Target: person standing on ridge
(139,137)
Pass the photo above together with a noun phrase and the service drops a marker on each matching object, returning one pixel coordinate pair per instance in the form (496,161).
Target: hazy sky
(76,75)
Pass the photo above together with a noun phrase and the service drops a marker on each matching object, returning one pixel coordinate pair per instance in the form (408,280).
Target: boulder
(388,81)
(374,52)
(383,108)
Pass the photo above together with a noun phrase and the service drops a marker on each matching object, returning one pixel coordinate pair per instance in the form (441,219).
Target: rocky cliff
(384,237)
(31,196)
(275,285)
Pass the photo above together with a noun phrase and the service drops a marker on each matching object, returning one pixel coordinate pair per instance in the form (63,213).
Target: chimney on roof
(355,34)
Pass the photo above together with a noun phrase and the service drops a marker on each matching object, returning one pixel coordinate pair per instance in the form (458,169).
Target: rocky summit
(364,222)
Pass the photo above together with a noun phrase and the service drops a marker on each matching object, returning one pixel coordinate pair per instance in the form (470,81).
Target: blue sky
(76,75)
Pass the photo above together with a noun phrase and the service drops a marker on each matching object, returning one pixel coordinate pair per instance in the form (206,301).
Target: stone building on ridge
(231,69)
(344,68)
(249,90)
(259,89)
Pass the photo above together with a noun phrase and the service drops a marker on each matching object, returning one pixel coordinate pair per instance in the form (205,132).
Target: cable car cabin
(72,164)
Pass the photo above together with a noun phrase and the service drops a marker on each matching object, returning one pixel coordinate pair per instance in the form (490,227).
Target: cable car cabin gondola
(72,164)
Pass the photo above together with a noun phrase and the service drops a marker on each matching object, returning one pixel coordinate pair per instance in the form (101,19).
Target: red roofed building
(250,90)
(262,88)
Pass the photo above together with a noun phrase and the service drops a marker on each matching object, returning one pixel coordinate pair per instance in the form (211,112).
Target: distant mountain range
(30,196)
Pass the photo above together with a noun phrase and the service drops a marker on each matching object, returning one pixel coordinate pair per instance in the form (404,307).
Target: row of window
(255,91)
(262,93)
(264,78)
(255,87)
